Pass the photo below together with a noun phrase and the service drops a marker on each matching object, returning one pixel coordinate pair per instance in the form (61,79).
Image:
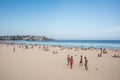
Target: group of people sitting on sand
(70,61)
(100,55)
(103,50)
(116,56)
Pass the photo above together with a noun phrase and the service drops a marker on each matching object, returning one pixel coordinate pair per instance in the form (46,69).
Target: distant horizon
(61,19)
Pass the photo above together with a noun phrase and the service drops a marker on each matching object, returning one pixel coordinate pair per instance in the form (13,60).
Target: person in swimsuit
(68,59)
(71,62)
(14,49)
(86,63)
(81,60)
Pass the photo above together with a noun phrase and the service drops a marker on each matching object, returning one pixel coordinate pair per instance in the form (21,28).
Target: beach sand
(37,64)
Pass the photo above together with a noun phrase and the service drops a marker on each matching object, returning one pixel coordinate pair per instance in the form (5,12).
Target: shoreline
(58,45)
(29,46)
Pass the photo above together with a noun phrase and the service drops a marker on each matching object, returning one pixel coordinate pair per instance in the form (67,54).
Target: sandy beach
(35,63)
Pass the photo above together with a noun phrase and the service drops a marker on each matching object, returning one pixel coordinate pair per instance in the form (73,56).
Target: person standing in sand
(68,59)
(81,60)
(71,62)
(14,49)
(86,63)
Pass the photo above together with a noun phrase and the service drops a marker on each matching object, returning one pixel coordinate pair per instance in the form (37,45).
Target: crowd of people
(70,61)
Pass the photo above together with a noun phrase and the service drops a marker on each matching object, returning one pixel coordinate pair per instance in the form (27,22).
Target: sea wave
(109,44)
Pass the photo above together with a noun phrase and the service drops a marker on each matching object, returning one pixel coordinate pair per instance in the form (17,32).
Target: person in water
(71,62)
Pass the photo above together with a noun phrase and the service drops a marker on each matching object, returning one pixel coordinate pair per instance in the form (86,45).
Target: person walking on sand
(68,59)
(71,62)
(81,60)
(86,63)
(14,49)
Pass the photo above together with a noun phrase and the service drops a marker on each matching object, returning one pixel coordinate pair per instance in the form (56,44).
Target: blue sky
(61,19)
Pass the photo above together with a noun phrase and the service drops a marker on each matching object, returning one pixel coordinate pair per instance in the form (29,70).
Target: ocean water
(108,44)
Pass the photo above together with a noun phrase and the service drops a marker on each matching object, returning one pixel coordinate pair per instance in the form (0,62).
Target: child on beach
(68,59)
(86,63)
(81,61)
(71,62)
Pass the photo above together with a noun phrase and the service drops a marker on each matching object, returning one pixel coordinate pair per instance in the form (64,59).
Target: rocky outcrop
(26,38)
